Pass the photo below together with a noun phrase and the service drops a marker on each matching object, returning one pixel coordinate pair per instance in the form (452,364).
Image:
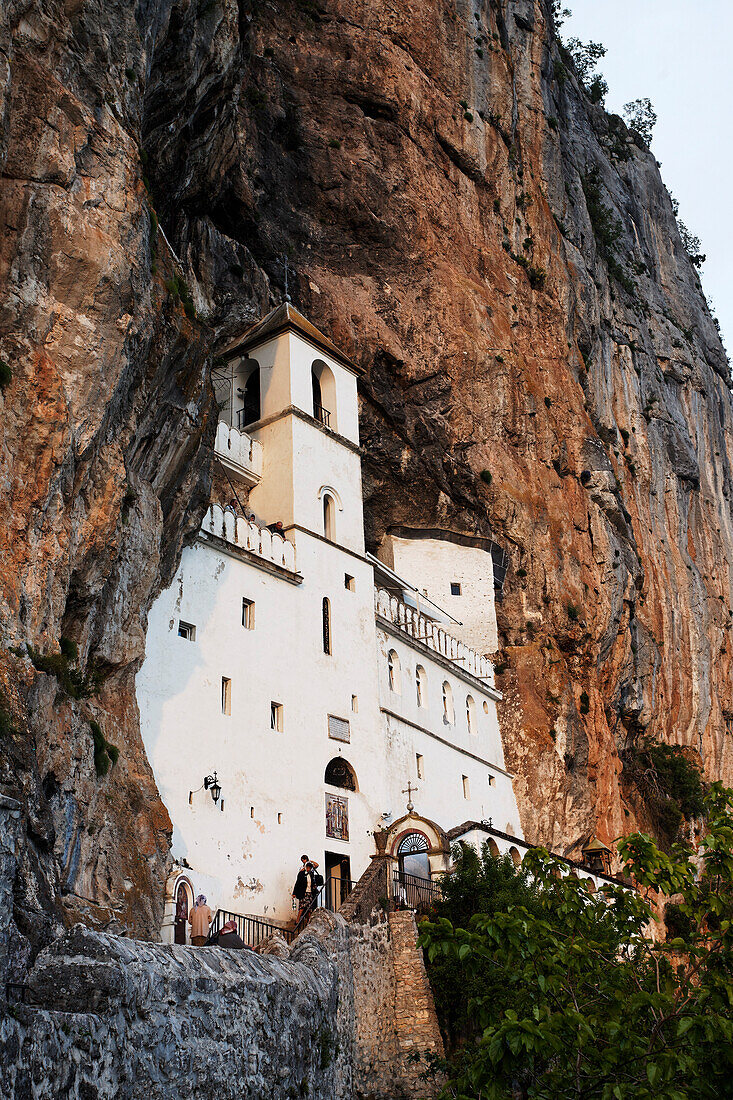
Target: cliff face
(500,255)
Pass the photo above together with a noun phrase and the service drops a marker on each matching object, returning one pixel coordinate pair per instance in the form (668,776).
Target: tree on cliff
(588,1004)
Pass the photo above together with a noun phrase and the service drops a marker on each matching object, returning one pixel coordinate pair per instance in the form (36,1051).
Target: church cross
(286,267)
(409,791)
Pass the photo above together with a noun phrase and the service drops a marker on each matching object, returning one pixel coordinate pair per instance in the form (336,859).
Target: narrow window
(420,766)
(393,666)
(466,787)
(349,582)
(492,780)
(187,631)
(252,812)
(279,819)
(470,714)
(355,704)
(226,695)
(248,613)
(448,713)
(421,684)
(329,509)
(276,717)
(326,613)
(455,588)
(486,707)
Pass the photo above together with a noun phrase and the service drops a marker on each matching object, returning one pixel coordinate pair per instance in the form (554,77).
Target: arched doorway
(412,855)
(250,397)
(183,902)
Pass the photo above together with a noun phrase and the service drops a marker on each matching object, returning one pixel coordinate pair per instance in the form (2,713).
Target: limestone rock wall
(109,1017)
(440,185)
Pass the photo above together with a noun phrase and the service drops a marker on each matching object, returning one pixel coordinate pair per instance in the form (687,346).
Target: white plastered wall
(432,564)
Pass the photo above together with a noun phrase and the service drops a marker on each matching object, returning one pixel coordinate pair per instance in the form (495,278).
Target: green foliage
(641,116)
(502,666)
(486,476)
(672,786)
(179,291)
(6,375)
(570,997)
(521,572)
(105,755)
(585,57)
(572,612)
(334,143)
(69,648)
(607,228)
(71,680)
(552,122)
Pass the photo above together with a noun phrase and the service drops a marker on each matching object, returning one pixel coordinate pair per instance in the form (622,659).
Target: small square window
(420,763)
(276,717)
(248,613)
(466,787)
(349,582)
(355,704)
(187,630)
(455,588)
(226,695)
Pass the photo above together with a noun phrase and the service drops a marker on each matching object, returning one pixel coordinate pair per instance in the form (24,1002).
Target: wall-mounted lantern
(597,856)
(211,783)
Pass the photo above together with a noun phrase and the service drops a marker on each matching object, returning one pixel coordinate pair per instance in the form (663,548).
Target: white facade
(237,679)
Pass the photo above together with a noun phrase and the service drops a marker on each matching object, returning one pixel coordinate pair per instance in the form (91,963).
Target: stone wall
(109,1018)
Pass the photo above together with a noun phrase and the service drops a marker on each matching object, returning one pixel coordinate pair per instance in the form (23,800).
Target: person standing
(200,919)
(306,888)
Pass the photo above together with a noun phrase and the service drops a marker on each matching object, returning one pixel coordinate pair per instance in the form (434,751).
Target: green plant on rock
(179,291)
(71,680)
(6,375)
(486,477)
(671,785)
(105,754)
(572,612)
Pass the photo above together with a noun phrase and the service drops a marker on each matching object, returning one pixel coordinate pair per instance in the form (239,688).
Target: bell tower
(290,388)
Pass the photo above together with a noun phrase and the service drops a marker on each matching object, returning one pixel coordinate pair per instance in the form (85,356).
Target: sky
(678,53)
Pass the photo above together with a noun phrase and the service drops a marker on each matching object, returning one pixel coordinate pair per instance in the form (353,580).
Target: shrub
(69,648)
(552,122)
(179,291)
(71,680)
(334,143)
(468,116)
(548,402)
(572,612)
(486,477)
(502,666)
(6,374)
(641,116)
(671,785)
(521,572)
(677,922)
(105,755)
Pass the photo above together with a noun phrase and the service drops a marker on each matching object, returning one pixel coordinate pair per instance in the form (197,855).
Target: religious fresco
(337,817)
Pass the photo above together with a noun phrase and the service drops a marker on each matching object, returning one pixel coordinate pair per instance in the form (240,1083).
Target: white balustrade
(431,634)
(239,453)
(226,524)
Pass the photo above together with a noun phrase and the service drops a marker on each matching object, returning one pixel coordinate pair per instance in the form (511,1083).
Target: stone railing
(233,528)
(240,454)
(431,634)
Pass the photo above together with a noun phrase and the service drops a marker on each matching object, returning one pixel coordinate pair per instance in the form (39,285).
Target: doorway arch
(183,902)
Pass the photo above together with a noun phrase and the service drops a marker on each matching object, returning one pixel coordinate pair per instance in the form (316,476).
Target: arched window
(448,712)
(493,849)
(393,666)
(339,773)
(324,393)
(250,397)
(329,516)
(412,855)
(470,714)
(327,625)
(516,858)
(421,686)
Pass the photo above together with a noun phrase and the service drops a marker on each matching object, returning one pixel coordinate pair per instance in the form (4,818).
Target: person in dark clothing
(306,888)
(227,936)
(276,528)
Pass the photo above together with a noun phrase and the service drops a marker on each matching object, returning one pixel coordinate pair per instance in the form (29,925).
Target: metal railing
(432,635)
(244,417)
(413,892)
(322,414)
(253,930)
(331,896)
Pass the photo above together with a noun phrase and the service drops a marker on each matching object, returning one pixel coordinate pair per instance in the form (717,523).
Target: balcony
(322,415)
(247,535)
(427,631)
(239,454)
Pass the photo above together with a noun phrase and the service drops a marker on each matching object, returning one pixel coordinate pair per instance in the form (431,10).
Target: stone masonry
(416,1021)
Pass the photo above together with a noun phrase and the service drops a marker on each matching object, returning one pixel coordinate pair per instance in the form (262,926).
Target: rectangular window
(466,787)
(420,766)
(279,819)
(455,588)
(276,717)
(248,614)
(338,728)
(226,695)
(349,582)
(354,704)
(492,780)
(187,630)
